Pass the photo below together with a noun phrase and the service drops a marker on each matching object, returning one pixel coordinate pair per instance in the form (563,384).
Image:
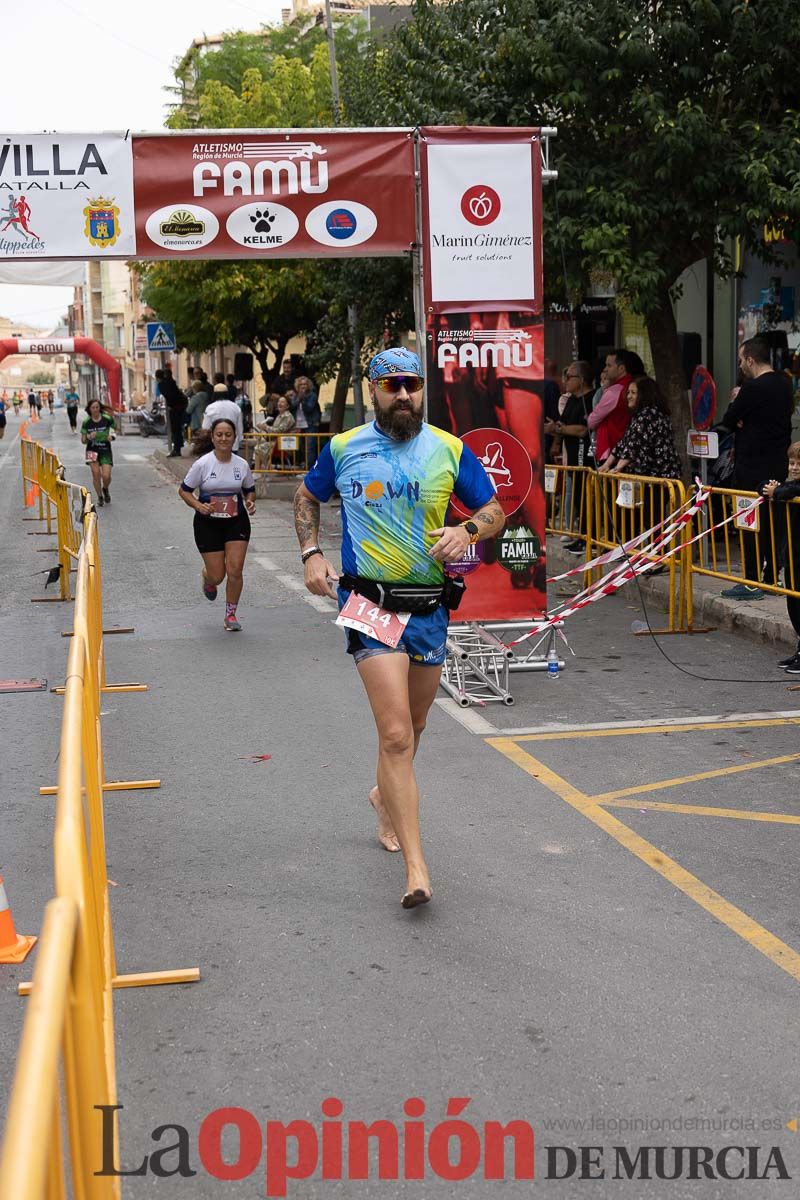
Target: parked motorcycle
(153,421)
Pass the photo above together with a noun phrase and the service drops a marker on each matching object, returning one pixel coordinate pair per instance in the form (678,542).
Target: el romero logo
(480,205)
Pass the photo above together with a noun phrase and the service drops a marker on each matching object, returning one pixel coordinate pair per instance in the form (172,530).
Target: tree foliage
(678,125)
(258,305)
(277,79)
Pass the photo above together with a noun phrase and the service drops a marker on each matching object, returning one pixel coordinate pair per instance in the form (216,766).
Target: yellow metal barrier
(627,505)
(735,553)
(71,1019)
(569,494)
(283,453)
(606,509)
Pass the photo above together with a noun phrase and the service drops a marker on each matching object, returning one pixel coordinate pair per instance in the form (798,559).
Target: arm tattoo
(491,515)
(306,519)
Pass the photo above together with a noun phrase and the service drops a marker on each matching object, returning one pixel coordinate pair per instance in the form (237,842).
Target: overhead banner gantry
(464,203)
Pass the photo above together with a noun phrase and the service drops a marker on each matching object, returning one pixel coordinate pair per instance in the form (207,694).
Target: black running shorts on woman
(211,533)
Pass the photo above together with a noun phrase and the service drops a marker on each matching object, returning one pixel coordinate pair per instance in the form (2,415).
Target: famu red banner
(274,194)
(484,385)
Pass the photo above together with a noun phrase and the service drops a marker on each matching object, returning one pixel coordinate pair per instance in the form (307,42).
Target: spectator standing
(221,406)
(307,415)
(285,381)
(761,419)
(233,390)
(609,419)
(176,405)
(790,547)
(201,398)
(572,427)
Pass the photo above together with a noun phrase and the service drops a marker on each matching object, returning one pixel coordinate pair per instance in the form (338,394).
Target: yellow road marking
(598,733)
(606,797)
(700,810)
(738,922)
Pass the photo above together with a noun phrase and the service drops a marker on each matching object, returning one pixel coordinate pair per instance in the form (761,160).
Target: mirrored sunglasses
(393,383)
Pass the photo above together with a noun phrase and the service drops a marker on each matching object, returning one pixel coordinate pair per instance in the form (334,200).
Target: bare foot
(418,888)
(386,835)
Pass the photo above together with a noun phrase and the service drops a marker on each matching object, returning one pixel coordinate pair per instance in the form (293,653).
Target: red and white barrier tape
(638,563)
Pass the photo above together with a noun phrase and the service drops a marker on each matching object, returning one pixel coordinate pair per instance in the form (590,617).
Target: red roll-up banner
(275,194)
(482,231)
(483,385)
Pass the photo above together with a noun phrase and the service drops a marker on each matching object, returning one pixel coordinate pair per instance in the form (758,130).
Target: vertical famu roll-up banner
(482,237)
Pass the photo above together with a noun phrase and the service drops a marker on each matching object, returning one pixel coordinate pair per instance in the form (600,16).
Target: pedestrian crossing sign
(160,335)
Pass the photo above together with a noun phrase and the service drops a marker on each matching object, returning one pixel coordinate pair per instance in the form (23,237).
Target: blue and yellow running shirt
(393,493)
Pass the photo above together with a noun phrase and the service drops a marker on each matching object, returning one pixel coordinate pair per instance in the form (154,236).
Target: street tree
(278,79)
(678,128)
(258,305)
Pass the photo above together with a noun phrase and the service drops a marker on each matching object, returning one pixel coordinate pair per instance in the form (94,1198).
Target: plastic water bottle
(552,663)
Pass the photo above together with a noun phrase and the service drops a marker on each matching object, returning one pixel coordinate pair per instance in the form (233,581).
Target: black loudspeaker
(243,366)
(691,354)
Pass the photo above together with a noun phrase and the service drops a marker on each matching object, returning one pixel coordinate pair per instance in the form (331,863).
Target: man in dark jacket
(175,402)
(761,418)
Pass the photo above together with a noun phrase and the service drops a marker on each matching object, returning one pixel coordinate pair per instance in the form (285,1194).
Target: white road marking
(134,458)
(320,603)
(295,585)
(289,581)
(660,722)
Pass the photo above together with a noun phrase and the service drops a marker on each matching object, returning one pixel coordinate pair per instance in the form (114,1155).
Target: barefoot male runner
(395,476)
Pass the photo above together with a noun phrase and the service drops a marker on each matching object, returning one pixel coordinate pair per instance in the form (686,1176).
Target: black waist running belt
(406,597)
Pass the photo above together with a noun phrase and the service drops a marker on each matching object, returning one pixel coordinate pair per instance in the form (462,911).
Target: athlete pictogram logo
(17,214)
(480,204)
(496,469)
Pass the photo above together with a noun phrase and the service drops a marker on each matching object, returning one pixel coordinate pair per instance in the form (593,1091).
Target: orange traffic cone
(32,495)
(14,947)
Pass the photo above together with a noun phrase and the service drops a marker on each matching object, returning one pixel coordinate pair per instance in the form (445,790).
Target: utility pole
(352,309)
(332,57)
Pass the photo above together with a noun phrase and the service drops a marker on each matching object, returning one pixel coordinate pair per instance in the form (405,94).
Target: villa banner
(66,195)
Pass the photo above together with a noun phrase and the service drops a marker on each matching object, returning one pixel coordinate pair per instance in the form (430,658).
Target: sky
(78,66)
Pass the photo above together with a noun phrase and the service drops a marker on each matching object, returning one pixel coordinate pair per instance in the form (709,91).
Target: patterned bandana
(396,361)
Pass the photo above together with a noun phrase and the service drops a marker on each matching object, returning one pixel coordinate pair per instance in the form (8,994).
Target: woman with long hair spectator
(647,446)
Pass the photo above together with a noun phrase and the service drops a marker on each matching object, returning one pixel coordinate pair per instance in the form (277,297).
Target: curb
(762,621)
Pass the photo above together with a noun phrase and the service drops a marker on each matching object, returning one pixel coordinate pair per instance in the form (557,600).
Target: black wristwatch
(472,530)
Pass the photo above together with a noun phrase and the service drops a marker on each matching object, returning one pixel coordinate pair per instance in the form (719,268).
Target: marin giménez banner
(274,194)
(481,219)
(66,195)
(484,374)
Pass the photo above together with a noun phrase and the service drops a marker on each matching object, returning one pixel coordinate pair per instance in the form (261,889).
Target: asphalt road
(584,964)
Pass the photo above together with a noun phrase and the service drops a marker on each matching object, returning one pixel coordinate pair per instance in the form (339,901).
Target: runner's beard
(401,421)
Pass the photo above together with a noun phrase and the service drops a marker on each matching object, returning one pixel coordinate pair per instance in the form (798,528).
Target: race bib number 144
(372,620)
